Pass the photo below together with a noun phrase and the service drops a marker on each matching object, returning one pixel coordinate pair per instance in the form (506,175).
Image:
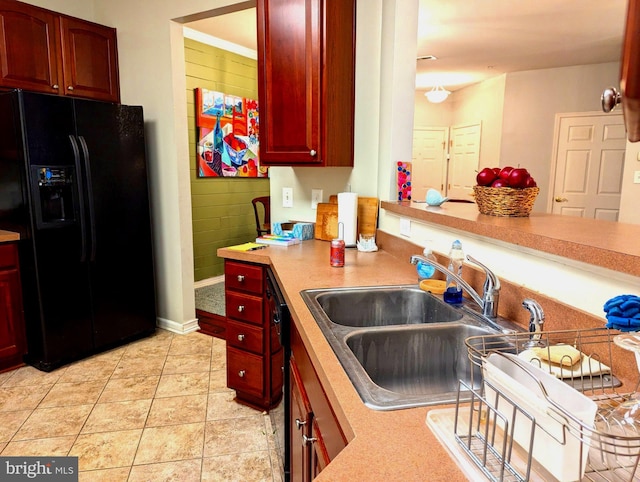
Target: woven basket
(505,201)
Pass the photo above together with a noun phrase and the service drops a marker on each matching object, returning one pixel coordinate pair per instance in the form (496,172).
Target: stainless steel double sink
(401,346)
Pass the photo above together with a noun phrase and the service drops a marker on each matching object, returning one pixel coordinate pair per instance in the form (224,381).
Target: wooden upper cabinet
(306,82)
(89,59)
(29,52)
(43,51)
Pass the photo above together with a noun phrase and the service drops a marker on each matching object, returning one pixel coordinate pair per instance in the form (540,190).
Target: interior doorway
(446,159)
(588,158)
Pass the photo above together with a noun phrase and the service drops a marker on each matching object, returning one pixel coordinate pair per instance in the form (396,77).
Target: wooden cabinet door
(289,81)
(12,337)
(90,60)
(300,425)
(28,48)
(320,457)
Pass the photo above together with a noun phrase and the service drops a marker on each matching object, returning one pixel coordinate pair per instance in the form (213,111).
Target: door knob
(561,199)
(610,99)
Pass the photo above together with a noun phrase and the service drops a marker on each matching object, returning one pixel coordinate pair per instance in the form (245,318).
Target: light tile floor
(155,410)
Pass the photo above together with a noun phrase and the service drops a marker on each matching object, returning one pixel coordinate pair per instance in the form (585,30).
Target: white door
(429,163)
(589,160)
(464,160)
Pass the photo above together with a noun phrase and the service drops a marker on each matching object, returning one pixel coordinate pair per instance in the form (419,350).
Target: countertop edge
(8,236)
(599,243)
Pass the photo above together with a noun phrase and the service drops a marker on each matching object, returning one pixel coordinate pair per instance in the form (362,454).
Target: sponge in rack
(623,313)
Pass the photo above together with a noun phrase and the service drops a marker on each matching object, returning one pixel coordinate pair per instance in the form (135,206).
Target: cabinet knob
(70,87)
(308,440)
(240,308)
(300,423)
(561,199)
(610,99)
(313,153)
(241,373)
(55,86)
(240,337)
(240,278)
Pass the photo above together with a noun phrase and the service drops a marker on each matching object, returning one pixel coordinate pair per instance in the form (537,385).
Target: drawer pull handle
(308,440)
(241,373)
(55,86)
(240,278)
(300,423)
(240,337)
(240,308)
(70,87)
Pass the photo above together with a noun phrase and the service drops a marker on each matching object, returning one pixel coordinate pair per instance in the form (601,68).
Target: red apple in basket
(518,177)
(505,171)
(499,183)
(531,182)
(485,177)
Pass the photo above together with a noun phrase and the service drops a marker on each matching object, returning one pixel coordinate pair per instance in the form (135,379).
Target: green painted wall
(221,207)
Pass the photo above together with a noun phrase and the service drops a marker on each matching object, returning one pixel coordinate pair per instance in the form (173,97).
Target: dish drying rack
(485,432)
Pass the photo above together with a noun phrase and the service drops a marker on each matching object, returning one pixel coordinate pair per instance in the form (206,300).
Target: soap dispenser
(425,270)
(453,291)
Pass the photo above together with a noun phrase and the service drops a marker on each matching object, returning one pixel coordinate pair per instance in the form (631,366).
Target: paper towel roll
(348,216)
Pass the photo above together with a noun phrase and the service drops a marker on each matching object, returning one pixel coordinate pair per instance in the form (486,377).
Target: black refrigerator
(73,183)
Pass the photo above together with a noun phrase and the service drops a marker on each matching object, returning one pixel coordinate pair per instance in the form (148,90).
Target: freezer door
(56,289)
(111,137)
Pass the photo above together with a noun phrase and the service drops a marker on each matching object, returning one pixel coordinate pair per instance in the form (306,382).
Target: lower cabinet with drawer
(254,355)
(12,332)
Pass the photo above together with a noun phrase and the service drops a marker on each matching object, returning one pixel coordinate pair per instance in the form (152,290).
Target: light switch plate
(405,227)
(316,198)
(287,197)
(636,177)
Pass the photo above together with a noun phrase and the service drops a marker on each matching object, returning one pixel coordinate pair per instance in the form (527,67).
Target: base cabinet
(315,434)
(12,331)
(254,354)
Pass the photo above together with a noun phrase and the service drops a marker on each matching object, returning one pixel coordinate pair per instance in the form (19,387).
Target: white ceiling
(478,39)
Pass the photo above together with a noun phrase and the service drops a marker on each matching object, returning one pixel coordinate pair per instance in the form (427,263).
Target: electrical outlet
(636,177)
(316,198)
(287,197)
(405,227)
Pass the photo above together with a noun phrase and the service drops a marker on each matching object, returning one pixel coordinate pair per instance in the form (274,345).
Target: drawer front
(243,307)
(8,255)
(245,336)
(245,372)
(244,277)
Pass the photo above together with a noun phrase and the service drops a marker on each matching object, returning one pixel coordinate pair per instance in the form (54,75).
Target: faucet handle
(491,281)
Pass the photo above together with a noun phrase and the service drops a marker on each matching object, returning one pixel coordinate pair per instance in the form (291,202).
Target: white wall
(531,101)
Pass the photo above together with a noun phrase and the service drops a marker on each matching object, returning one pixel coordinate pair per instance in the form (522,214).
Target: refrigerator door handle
(92,219)
(83,231)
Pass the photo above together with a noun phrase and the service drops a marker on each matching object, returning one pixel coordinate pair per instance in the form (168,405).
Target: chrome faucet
(491,289)
(536,321)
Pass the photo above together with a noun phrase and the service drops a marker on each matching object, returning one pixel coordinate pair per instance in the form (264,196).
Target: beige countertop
(6,236)
(606,244)
(383,445)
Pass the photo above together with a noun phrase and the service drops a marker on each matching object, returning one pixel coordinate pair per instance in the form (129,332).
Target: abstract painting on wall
(228,128)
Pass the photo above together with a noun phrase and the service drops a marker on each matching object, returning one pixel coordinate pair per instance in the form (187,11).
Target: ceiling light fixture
(437,94)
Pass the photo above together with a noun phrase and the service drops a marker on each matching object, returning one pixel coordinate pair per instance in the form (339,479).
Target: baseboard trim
(179,328)
(209,281)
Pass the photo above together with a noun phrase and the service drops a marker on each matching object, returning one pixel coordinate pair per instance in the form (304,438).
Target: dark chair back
(263,226)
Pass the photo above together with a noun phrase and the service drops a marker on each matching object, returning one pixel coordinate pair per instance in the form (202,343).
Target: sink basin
(391,306)
(426,362)
(400,346)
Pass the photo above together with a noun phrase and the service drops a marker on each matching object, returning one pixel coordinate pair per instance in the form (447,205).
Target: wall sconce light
(437,94)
